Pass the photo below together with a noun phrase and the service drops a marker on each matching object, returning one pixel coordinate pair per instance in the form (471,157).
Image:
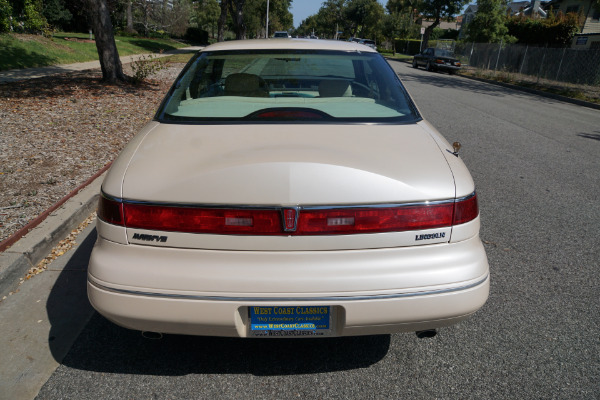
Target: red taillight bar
(203,220)
(344,221)
(269,221)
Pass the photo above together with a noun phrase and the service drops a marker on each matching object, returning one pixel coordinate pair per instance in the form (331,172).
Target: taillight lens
(203,220)
(374,220)
(465,210)
(110,211)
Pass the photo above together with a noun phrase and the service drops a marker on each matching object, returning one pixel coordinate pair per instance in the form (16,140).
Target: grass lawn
(25,51)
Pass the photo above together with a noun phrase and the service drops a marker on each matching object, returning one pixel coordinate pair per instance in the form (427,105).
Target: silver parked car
(288,188)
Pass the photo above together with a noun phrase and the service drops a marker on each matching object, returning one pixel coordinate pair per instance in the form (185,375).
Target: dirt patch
(24,37)
(79,40)
(56,132)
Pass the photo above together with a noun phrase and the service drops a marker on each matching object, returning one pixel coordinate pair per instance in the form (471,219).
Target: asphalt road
(536,165)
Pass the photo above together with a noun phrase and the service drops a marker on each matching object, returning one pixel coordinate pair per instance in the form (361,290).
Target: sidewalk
(14,75)
(40,323)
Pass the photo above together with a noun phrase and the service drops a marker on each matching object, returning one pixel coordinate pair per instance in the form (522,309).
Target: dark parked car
(436,60)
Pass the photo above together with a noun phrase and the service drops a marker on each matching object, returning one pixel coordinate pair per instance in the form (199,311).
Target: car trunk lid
(297,167)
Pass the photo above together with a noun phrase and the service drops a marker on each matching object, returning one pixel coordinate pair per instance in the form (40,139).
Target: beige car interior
(335,88)
(246,85)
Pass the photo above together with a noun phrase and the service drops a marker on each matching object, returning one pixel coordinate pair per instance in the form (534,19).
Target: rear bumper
(371,292)
(444,67)
(230,317)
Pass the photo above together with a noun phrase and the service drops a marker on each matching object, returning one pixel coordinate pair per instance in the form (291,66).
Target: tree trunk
(428,32)
(222,21)
(129,28)
(112,71)
(237,13)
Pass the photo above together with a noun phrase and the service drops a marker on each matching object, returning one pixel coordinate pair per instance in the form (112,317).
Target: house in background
(589,34)
(589,31)
(537,7)
(514,8)
(444,24)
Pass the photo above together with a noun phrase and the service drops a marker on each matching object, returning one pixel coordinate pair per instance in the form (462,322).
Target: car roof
(292,44)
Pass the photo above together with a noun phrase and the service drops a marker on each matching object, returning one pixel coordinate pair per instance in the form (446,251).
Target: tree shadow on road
(152,46)
(593,136)
(80,84)
(442,80)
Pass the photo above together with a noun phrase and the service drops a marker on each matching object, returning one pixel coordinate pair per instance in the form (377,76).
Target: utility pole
(267,27)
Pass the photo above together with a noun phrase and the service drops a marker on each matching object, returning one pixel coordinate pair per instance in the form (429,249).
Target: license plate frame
(290,321)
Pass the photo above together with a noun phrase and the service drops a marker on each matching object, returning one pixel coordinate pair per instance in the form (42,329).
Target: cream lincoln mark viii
(288,188)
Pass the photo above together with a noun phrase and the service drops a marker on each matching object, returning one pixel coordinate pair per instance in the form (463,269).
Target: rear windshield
(309,86)
(443,53)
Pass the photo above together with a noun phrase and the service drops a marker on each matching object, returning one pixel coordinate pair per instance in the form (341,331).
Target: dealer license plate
(290,321)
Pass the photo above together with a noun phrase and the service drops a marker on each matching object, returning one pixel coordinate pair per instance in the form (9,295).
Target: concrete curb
(33,247)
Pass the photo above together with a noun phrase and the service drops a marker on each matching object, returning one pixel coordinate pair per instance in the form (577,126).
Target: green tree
(255,16)
(402,6)
(161,17)
(5,16)
(30,15)
(436,10)
(489,24)
(331,18)
(353,17)
(365,17)
(280,18)
(206,15)
(308,26)
(56,13)
(554,30)
(394,25)
(402,13)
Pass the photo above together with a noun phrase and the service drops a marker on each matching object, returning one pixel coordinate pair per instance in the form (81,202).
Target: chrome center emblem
(290,219)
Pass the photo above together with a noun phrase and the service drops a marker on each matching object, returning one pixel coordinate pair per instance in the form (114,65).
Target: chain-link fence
(558,65)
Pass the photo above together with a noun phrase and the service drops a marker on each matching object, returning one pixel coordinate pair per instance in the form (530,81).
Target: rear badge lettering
(440,235)
(150,238)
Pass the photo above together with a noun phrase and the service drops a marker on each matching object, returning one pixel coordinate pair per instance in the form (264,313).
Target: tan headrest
(334,88)
(248,85)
